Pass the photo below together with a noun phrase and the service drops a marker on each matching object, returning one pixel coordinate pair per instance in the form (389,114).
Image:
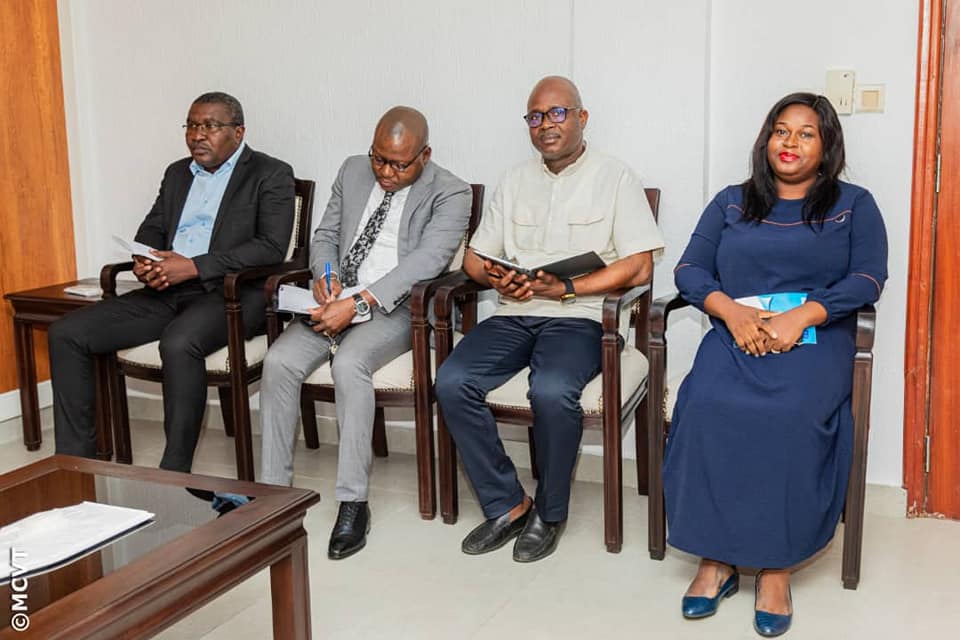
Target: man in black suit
(225,208)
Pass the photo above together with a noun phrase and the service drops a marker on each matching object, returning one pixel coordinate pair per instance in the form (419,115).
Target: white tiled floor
(412,581)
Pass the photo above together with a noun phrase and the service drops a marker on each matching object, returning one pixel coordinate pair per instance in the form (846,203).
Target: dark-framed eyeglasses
(556,115)
(208,127)
(379,161)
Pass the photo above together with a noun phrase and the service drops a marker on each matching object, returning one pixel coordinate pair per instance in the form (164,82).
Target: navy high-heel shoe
(702,607)
(770,625)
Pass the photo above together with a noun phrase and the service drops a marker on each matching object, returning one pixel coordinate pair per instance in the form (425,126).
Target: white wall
(761,51)
(676,89)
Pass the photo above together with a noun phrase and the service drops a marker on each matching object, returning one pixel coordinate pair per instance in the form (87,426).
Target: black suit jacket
(253,223)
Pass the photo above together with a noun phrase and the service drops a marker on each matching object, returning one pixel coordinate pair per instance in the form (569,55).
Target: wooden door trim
(920,275)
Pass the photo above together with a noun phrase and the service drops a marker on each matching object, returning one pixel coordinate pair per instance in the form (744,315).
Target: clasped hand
(331,316)
(173,269)
(520,286)
(761,332)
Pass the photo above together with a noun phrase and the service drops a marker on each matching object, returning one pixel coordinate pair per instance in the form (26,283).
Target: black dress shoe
(493,534)
(538,539)
(350,532)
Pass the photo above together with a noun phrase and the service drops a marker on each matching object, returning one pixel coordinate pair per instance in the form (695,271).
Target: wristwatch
(569,295)
(362,306)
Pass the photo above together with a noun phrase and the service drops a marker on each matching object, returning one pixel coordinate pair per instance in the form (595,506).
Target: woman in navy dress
(756,464)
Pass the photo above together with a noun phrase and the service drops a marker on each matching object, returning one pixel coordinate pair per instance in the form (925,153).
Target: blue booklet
(778,303)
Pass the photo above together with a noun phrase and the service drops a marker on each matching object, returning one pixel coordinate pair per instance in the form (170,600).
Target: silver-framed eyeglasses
(208,127)
(555,115)
(379,161)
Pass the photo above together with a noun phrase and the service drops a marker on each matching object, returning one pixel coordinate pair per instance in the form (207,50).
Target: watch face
(361,305)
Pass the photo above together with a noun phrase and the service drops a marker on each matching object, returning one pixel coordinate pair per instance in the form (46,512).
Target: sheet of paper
(135,248)
(50,539)
(298,300)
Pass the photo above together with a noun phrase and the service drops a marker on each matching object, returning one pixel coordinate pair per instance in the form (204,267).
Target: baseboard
(10,401)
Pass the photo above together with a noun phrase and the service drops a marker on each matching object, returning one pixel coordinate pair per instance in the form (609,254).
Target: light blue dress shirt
(200,209)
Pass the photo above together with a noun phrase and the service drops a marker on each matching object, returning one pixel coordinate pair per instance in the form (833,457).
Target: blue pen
(326,274)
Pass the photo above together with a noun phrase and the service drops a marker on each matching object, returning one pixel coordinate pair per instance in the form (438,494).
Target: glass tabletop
(176,510)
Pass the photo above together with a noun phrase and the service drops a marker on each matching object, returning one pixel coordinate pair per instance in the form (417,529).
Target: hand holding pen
(327,288)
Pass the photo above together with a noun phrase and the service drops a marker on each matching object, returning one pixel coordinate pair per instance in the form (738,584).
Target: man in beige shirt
(569,201)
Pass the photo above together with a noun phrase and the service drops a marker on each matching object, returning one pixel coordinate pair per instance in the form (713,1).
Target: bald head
(557,85)
(401,139)
(399,122)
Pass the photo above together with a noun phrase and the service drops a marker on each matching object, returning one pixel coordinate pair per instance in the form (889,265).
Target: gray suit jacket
(432,225)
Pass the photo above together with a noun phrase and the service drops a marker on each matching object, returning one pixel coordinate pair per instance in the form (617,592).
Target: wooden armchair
(659,428)
(617,395)
(396,383)
(144,362)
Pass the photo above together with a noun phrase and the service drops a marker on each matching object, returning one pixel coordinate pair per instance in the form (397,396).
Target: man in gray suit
(393,218)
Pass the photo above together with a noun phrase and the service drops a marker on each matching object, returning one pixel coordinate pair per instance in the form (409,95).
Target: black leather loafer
(538,539)
(493,534)
(350,532)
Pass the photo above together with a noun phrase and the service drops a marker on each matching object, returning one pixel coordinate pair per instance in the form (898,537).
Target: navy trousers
(563,355)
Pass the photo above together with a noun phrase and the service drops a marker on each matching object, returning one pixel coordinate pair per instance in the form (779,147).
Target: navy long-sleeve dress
(756,464)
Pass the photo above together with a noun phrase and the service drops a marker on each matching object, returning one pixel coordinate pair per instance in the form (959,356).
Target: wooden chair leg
(121,415)
(857,482)
(243,434)
(426,467)
(226,409)
(447,473)
(643,448)
(103,405)
(532,446)
(308,417)
(379,434)
(612,483)
(656,437)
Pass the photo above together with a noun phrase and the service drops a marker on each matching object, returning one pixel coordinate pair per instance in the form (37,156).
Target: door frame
(917,357)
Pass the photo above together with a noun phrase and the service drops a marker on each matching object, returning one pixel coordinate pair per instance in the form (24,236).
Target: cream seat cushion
(633,375)
(148,355)
(397,375)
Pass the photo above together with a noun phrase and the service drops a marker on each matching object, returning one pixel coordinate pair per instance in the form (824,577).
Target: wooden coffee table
(141,584)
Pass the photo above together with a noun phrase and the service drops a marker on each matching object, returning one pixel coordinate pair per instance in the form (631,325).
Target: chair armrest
(866,325)
(451,287)
(108,277)
(274,281)
(232,281)
(423,291)
(614,303)
(660,311)
(270,289)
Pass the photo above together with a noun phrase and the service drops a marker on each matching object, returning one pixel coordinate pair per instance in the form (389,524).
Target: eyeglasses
(556,115)
(379,161)
(208,127)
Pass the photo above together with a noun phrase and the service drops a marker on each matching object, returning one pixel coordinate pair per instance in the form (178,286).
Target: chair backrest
(653,197)
(476,210)
(299,245)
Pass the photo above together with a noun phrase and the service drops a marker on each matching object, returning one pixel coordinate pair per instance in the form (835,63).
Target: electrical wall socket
(839,89)
(870,98)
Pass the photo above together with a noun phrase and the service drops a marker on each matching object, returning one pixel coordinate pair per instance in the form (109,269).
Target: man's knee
(452,383)
(349,368)
(176,345)
(551,393)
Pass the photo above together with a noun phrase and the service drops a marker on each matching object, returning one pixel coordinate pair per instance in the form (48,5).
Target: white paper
(135,248)
(299,300)
(49,539)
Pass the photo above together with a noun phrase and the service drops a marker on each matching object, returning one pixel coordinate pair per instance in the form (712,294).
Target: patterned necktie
(361,248)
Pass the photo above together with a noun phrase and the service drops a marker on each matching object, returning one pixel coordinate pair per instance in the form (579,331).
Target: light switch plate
(839,89)
(870,98)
